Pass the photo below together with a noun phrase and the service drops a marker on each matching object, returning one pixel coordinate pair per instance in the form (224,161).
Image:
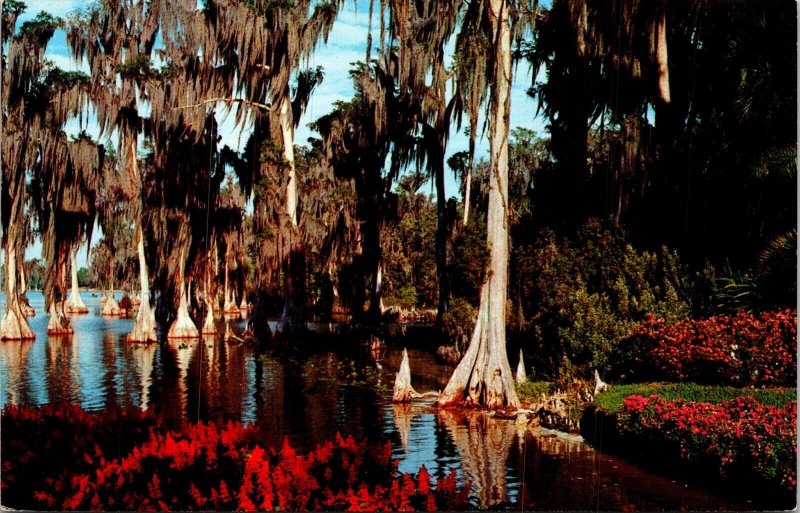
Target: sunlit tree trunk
(183,325)
(111,307)
(662,57)
(24,303)
(144,329)
(287,130)
(74,304)
(14,325)
(484,377)
(292,319)
(521,376)
(467,193)
(59,324)
(229,306)
(209,326)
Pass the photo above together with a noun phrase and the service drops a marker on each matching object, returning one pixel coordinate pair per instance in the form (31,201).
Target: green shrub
(531,391)
(467,264)
(576,300)
(459,322)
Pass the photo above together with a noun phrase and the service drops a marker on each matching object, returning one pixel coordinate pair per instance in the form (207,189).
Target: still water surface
(311,398)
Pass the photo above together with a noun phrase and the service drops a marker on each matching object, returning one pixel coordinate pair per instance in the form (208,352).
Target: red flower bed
(45,446)
(741,349)
(221,466)
(741,435)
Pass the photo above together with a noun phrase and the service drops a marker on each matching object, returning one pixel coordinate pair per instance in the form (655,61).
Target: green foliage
(459,320)
(35,274)
(611,400)
(775,271)
(408,248)
(137,67)
(576,300)
(57,77)
(14,7)
(83,278)
(468,261)
(43,23)
(532,391)
(735,291)
(405,297)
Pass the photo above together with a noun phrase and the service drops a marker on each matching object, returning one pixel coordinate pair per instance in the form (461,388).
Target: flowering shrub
(222,466)
(738,436)
(46,445)
(740,349)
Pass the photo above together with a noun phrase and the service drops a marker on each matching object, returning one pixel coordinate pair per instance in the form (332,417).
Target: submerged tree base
(144,329)
(484,377)
(111,308)
(59,323)
(403,391)
(209,326)
(25,306)
(15,327)
(75,305)
(183,327)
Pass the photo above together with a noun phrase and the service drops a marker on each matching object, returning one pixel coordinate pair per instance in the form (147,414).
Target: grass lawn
(611,400)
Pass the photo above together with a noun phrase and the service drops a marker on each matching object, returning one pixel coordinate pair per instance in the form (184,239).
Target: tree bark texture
(484,377)
(144,329)
(183,325)
(74,304)
(14,325)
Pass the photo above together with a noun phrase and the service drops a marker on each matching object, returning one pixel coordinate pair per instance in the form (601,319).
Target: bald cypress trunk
(144,329)
(229,306)
(183,325)
(292,320)
(24,304)
(111,307)
(287,131)
(14,325)
(209,326)
(484,377)
(59,322)
(662,57)
(467,193)
(74,304)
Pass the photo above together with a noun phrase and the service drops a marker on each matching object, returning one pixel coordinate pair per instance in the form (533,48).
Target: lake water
(311,398)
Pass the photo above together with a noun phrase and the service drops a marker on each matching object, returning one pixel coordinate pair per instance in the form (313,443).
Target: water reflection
(483,444)
(143,355)
(311,398)
(15,372)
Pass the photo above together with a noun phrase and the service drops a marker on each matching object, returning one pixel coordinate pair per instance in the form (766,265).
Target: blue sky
(346,45)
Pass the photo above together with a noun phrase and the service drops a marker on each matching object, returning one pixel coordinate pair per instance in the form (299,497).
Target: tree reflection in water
(483,444)
(182,350)
(143,355)
(15,357)
(61,359)
(403,414)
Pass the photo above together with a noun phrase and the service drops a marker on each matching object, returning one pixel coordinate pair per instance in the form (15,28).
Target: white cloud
(67,63)
(59,8)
